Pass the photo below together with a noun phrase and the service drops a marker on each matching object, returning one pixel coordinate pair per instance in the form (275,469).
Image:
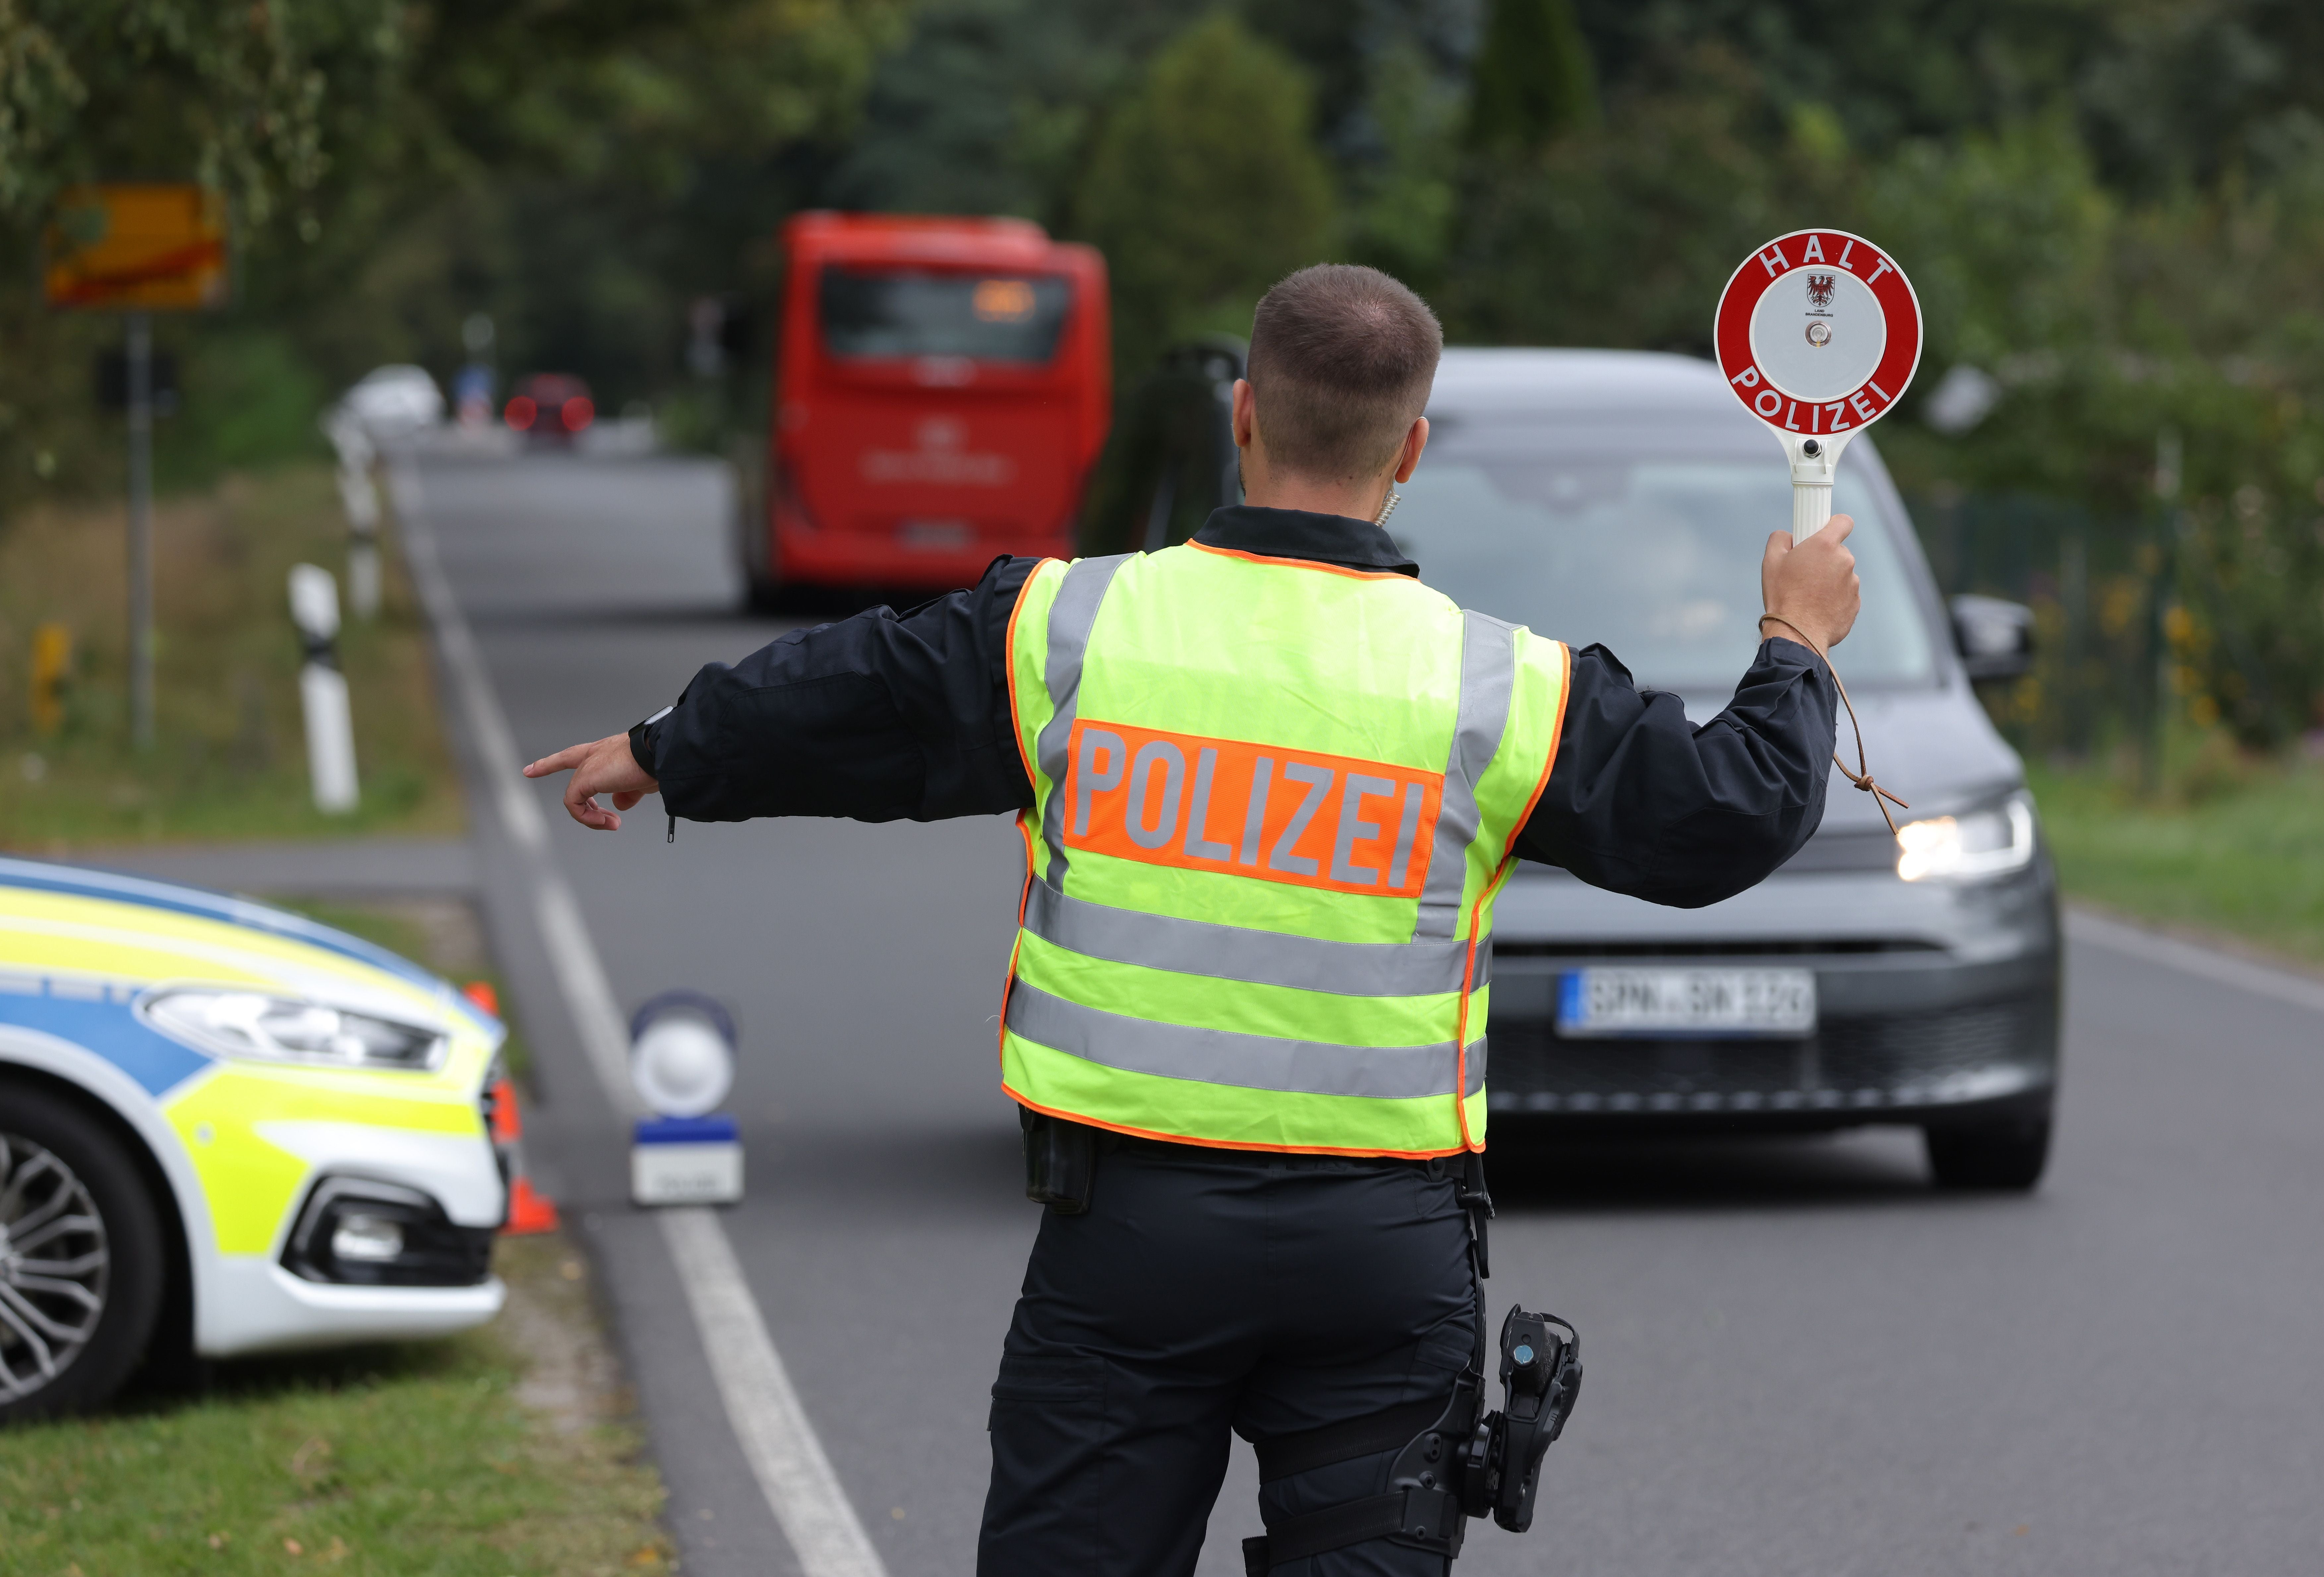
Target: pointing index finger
(563,760)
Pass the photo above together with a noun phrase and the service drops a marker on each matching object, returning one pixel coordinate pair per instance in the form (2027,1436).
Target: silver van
(1624,498)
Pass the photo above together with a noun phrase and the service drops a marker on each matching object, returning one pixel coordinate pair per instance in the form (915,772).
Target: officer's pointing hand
(604,767)
(1812,586)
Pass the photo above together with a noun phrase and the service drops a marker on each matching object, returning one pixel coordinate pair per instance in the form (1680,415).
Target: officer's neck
(1271,489)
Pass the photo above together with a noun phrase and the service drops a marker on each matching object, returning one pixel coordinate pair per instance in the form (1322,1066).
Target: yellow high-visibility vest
(1273,802)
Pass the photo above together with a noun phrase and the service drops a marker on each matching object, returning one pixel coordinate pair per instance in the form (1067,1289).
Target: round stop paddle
(1818,333)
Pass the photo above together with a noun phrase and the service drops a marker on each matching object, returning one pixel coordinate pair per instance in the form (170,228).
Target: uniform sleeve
(883,716)
(1639,801)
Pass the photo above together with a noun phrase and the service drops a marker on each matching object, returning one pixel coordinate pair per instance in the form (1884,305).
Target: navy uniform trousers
(1205,1291)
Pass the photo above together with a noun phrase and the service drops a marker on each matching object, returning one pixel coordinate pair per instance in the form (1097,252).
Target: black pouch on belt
(1059,1158)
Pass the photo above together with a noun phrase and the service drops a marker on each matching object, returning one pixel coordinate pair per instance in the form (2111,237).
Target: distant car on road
(550,408)
(394,402)
(225,1128)
(1624,498)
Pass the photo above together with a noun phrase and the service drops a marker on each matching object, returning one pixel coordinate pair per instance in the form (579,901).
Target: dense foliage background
(2114,210)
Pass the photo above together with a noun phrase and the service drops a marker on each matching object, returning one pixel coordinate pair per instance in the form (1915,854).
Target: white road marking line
(2226,968)
(775,1432)
(778,1438)
(579,974)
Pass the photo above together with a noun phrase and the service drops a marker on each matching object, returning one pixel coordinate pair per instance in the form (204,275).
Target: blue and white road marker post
(682,1063)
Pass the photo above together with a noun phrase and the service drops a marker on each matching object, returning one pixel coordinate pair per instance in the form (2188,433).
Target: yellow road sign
(145,248)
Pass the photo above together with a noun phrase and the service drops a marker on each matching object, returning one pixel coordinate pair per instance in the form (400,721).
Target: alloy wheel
(54,1266)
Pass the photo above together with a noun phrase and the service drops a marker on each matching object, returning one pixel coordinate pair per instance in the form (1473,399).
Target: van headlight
(250,1024)
(1972,847)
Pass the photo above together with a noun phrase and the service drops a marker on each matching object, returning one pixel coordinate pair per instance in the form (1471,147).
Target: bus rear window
(912,312)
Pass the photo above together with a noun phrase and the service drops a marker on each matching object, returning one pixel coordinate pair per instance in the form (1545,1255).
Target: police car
(225,1128)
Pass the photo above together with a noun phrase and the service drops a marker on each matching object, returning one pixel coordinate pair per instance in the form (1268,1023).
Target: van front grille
(1755,947)
(1852,1063)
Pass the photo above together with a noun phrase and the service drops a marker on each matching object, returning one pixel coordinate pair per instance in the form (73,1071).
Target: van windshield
(1654,553)
(921,312)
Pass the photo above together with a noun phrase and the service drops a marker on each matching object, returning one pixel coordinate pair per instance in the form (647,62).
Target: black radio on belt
(1461,1462)
(1541,1373)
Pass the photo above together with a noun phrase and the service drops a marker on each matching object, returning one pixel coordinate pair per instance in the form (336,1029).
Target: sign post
(138,249)
(1818,333)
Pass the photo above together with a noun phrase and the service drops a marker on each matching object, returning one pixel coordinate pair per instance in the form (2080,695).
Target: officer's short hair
(1341,359)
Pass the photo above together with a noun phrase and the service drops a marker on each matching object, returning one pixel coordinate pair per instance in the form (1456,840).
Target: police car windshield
(1653,552)
(918,312)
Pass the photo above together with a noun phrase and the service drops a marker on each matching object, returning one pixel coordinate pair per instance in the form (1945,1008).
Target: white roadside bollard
(323,690)
(359,497)
(682,1063)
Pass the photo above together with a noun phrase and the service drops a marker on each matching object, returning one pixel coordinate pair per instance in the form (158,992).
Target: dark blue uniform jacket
(886,716)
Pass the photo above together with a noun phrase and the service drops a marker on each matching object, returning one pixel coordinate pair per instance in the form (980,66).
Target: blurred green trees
(1204,187)
(1533,79)
(578,171)
(2113,214)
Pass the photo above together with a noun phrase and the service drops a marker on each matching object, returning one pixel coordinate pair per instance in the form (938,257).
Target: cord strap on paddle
(1862,776)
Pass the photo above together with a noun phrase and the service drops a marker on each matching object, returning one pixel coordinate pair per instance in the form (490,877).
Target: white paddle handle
(1811,509)
(1815,461)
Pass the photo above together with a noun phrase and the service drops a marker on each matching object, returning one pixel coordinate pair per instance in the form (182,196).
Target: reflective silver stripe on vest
(1072,615)
(1250,1062)
(1489,663)
(1348,969)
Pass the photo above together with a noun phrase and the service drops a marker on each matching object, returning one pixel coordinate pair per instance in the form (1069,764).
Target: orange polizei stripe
(1221,1144)
(1301,818)
(1300,563)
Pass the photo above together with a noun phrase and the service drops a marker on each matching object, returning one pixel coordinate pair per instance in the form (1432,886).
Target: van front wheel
(1998,1155)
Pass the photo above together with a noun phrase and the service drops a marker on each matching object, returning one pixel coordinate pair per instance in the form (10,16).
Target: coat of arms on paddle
(1818,333)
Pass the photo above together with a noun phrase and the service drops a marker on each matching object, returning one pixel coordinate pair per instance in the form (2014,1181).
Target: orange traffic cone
(529,1209)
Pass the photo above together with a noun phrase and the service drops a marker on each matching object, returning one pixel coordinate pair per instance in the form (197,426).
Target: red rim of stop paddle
(1833,249)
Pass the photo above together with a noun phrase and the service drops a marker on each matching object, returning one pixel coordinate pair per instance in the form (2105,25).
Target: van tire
(134,1277)
(1995,1155)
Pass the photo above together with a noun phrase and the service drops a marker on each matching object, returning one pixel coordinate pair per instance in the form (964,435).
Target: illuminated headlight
(1993,842)
(246,1024)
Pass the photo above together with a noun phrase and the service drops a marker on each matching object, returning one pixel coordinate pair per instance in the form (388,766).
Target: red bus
(942,389)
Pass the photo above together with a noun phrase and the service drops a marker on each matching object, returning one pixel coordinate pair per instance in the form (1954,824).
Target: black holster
(1060,1160)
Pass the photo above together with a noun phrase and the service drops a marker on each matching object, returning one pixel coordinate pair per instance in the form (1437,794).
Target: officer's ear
(1415,439)
(1244,420)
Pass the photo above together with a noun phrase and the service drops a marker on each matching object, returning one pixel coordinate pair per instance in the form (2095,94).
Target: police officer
(1268,783)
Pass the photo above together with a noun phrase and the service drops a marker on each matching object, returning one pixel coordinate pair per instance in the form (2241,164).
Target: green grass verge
(420,1458)
(2246,859)
(229,761)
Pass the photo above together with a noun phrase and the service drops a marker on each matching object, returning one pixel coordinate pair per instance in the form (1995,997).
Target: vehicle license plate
(1606,1002)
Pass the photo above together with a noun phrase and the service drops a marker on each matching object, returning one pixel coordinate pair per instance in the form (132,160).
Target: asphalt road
(1801,1360)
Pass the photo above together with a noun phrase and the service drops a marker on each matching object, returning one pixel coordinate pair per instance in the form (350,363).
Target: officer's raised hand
(1812,586)
(604,766)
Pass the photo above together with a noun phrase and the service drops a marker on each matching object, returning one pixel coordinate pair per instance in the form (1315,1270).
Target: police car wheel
(81,1273)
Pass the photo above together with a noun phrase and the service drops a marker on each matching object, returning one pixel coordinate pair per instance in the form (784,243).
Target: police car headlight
(1971,847)
(249,1024)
